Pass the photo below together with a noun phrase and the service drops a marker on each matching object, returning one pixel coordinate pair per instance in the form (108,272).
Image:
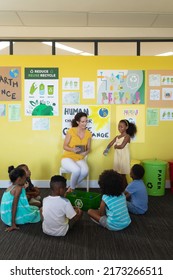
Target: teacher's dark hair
(77,118)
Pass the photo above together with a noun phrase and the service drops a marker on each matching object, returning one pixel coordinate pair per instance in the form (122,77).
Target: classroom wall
(42,150)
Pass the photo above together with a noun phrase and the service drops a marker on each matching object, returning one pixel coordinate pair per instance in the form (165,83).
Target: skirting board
(45,184)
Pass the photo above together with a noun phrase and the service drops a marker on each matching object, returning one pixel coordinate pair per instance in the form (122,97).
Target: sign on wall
(10,83)
(120,86)
(160,88)
(136,115)
(41,91)
(98,119)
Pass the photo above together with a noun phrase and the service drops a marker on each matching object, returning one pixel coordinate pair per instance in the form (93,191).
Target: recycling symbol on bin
(78,203)
(149,185)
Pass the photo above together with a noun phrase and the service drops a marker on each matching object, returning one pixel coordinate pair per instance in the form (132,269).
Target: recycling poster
(121,86)
(41,91)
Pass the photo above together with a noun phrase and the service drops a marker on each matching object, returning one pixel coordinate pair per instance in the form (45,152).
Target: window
(156,48)
(32,48)
(116,48)
(75,48)
(4,47)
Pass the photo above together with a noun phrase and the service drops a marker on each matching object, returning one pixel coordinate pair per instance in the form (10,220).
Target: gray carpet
(149,236)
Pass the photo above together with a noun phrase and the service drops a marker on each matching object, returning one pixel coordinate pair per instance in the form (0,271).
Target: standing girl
(76,146)
(121,145)
(15,208)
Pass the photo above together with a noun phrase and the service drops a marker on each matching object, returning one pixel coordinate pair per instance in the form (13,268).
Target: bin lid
(154,162)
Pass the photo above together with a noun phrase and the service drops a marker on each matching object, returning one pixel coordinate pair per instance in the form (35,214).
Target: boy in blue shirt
(136,192)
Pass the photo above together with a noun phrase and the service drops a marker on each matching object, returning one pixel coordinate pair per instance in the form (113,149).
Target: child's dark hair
(10,168)
(15,173)
(23,165)
(57,179)
(138,171)
(111,183)
(132,129)
(77,118)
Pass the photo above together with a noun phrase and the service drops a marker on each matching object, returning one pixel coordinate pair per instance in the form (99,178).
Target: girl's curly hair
(111,183)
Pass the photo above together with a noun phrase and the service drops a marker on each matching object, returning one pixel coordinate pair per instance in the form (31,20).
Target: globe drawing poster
(10,83)
(120,86)
(98,119)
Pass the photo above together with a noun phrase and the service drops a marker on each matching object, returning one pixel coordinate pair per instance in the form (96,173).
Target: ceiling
(86,19)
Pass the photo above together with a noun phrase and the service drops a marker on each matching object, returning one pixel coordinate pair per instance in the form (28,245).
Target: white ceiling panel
(31,18)
(53,19)
(121,19)
(158,6)
(9,18)
(73,13)
(164,21)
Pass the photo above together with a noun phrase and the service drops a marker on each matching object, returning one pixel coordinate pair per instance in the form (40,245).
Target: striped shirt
(116,211)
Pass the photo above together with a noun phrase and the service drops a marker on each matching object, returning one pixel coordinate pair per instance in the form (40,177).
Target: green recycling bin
(155,176)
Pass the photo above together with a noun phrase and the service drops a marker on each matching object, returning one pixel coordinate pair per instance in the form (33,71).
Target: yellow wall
(42,150)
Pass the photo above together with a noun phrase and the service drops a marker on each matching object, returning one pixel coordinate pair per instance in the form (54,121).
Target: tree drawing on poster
(120,86)
(41,91)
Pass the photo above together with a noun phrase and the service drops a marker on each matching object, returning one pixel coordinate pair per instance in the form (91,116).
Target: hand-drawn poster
(14,112)
(88,90)
(120,86)
(41,91)
(70,97)
(10,83)
(135,114)
(160,88)
(2,110)
(166,114)
(70,83)
(40,123)
(152,117)
(98,119)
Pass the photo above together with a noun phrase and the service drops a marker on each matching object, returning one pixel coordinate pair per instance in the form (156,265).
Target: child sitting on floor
(113,213)
(136,192)
(14,204)
(32,192)
(57,210)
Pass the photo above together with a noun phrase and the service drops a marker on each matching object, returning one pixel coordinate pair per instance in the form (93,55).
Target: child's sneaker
(38,197)
(94,220)
(35,202)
